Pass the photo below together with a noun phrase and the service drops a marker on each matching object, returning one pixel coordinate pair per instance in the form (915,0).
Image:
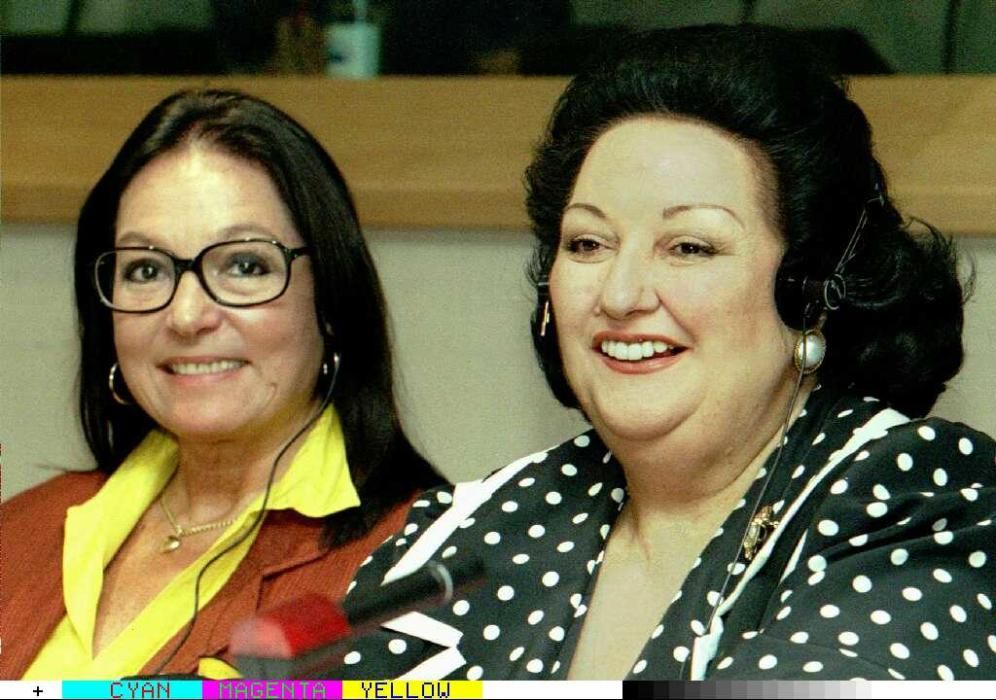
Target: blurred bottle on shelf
(352,44)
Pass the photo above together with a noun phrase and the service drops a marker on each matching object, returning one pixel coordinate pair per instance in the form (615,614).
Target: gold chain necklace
(173,541)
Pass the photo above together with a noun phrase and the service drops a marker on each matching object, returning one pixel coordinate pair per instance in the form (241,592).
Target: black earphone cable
(811,315)
(257,521)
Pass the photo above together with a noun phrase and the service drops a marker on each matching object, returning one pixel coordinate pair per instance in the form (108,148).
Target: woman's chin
(207,427)
(634,425)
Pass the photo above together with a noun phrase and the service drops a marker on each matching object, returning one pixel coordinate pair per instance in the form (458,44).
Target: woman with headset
(729,295)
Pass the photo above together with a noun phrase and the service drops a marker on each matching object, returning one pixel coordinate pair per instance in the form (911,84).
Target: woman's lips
(201,367)
(636,354)
(637,350)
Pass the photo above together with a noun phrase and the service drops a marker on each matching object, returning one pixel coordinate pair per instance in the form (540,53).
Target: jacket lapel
(286,540)
(286,561)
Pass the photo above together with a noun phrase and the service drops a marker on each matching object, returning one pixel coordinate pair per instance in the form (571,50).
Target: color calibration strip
(548,690)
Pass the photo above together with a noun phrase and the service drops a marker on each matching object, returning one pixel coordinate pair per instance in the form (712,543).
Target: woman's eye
(689,249)
(141,271)
(246,266)
(583,245)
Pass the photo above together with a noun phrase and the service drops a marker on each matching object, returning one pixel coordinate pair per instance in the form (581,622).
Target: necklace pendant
(171,544)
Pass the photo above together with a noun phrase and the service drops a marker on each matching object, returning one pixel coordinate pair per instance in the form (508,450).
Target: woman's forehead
(673,162)
(199,196)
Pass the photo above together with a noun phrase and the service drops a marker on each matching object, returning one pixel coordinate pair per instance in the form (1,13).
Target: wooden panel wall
(449,152)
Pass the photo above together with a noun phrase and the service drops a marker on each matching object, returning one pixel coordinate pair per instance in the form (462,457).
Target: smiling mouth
(187,368)
(638,350)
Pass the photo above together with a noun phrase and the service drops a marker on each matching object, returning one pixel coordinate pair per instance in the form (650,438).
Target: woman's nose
(192,310)
(628,286)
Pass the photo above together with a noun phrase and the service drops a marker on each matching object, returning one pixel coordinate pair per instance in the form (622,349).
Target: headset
(816,297)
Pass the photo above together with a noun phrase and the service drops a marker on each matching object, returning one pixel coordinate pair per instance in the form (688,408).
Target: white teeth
(633,352)
(205,367)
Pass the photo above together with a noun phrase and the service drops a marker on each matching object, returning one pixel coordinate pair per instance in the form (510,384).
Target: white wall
(472,394)
(971,396)
(38,357)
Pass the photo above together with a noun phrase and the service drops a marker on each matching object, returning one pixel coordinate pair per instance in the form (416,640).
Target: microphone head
(305,637)
(291,629)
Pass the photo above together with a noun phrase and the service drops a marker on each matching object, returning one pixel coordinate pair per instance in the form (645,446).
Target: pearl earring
(810,350)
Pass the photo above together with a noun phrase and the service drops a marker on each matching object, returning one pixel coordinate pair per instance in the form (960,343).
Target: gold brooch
(760,527)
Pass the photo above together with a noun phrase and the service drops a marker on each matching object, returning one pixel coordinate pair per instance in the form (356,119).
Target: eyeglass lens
(238,273)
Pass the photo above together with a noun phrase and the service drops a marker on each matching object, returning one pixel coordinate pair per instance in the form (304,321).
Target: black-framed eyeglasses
(143,279)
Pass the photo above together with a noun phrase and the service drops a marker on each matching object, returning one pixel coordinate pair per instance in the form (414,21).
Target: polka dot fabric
(894,577)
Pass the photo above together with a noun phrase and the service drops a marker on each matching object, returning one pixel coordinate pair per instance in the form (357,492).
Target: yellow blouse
(316,484)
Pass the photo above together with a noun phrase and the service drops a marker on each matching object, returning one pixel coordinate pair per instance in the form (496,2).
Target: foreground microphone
(304,638)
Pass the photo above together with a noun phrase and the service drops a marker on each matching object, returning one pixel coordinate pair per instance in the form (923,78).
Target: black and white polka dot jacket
(889,572)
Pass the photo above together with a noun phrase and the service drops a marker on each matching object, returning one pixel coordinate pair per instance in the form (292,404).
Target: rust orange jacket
(285,561)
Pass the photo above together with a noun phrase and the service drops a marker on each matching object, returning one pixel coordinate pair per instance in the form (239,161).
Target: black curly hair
(897,335)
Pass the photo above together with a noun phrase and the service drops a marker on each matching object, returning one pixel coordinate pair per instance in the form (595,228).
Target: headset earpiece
(795,296)
(800,300)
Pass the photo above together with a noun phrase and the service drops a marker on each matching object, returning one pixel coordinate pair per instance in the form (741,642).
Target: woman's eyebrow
(666,213)
(228,233)
(584,206)
(131,238)
(678,209)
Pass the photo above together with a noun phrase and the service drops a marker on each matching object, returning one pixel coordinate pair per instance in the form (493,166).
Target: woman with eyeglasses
(236,392)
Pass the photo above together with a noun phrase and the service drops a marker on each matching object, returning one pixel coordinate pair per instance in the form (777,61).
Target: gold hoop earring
(110,385)
(810,351)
